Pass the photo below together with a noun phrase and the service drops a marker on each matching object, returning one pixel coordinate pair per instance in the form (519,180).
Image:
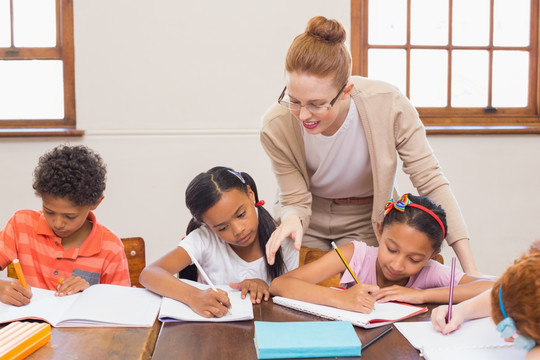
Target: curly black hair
(76,173)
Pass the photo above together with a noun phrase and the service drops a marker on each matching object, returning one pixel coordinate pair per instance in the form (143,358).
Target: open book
(172,310)
(475,340)
(100,305)
(382,314)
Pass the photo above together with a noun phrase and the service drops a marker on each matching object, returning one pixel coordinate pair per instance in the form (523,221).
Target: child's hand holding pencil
(358,298)
(13,292)
(71,285)
(210,303)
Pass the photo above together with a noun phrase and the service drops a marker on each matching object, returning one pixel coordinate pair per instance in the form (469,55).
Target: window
(37,91)
(467,66)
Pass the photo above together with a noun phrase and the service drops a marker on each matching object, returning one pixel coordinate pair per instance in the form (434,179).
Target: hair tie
(507,328)
(403,202)
(259,203)
(399,204)
(238,175)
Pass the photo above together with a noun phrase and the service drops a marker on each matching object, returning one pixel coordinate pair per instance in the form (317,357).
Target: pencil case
(20,339)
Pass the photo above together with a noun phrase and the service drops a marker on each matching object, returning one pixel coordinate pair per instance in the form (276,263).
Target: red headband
(403,202)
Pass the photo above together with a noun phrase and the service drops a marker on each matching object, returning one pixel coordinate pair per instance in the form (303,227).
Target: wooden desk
(97,343)
(234,340)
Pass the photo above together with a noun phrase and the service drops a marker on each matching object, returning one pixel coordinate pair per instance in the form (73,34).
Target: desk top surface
(234,340)
(93,343)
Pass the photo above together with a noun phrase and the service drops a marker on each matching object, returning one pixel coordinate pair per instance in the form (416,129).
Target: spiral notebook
(474,340)
(382,314)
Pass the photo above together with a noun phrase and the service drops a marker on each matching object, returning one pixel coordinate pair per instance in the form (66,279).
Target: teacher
(334,140)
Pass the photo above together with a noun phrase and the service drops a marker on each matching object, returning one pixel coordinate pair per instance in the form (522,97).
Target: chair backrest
(308,255)
(11,271)
(136,258)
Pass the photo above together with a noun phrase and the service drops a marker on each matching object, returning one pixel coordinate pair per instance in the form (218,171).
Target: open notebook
(172,310)
(100,305)
(384,313)
(474,340)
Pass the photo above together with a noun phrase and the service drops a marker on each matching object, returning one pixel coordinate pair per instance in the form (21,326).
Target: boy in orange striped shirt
(63,247)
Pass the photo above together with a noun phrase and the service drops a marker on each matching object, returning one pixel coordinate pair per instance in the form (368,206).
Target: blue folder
(305,339)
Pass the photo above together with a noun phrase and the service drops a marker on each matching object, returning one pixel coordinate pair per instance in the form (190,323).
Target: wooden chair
(439,258)
(308,255)
(136,258)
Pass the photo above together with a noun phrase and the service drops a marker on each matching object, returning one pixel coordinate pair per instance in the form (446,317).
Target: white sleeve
(290,255)
(193,242)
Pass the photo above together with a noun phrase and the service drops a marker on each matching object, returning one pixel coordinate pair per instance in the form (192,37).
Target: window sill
(40,132)
(483,130)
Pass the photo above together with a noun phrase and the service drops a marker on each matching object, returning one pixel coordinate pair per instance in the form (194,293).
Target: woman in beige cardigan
(334,142)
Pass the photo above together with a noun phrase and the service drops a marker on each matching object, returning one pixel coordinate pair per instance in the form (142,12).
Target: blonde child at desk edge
(227,235)
(516,294)
(64,241)
(400,269)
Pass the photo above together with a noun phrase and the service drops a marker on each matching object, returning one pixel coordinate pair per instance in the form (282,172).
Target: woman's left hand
(399,293)
(257,288)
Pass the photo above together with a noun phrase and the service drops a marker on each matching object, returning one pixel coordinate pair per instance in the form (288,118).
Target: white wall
(167,89)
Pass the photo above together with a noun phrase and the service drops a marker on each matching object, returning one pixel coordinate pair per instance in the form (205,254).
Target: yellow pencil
(345,262)
(18,270)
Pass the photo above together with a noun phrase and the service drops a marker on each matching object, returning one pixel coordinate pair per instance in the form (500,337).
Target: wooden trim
(40,132)
(30,53)
(64,51)
(357,39)
(483,130)
(68,57)
(478,120)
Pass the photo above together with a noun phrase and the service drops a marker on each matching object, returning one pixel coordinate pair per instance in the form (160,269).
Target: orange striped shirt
(100,259)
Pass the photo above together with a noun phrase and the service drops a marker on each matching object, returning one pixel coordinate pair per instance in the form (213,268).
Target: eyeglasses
(312,108)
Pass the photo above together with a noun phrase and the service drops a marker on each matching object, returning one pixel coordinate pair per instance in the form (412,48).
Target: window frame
(460,120)
(64,51)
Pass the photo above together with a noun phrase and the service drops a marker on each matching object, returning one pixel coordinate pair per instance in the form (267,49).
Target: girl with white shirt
(227,236)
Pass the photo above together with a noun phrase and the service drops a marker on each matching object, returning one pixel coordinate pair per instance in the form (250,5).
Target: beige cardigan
(392,128)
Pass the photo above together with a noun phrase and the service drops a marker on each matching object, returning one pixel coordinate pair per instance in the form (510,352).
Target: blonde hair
(321,51)
(521,294)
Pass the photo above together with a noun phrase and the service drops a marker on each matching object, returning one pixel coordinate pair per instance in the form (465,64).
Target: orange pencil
(18,270)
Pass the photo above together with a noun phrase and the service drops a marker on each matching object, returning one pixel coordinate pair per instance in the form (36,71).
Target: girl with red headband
(400,269)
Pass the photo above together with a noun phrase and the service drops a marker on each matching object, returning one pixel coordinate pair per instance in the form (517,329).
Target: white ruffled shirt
(223,265)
